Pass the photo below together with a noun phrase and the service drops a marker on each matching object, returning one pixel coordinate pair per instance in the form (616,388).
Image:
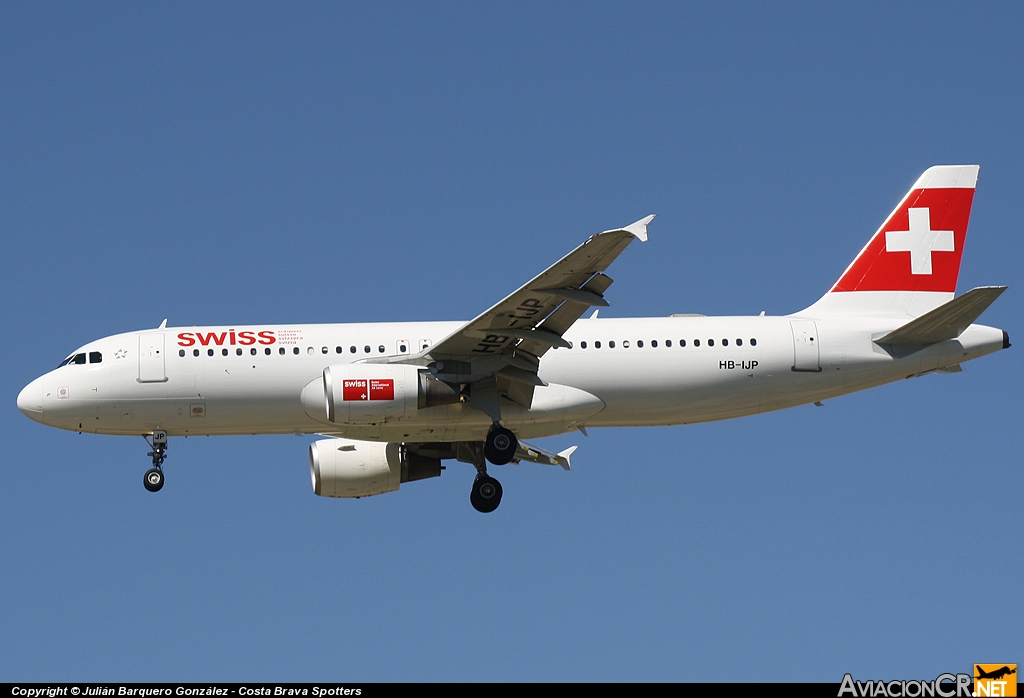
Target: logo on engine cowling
(372,389)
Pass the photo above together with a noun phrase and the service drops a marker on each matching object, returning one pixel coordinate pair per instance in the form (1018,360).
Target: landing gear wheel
(154,479)
(486,494)
(500,446)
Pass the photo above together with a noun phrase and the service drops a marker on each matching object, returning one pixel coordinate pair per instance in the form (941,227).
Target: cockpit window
(74,359)
(95,357)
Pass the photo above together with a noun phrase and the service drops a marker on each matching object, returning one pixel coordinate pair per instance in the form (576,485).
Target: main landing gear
(499,448)
(154,477)
(486,494)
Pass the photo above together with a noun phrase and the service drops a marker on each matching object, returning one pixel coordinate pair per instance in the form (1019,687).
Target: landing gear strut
(154,477)
(500,446)
(486,493)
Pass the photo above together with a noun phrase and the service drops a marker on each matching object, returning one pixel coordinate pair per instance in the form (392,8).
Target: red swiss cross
(918,248)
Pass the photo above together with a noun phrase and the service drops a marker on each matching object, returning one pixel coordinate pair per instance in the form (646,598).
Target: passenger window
(597,345)
(366,349)
(739,342)
(696,342)
(324,350)
(295,350)
(654,343)
(711,342)
(223,352)
(611,344)
(682,342)
(625,344)
(725,342)
(352,349)
(381,348)
(309,350)
(95,357)
(668,342)
(238,351)
(753,342)
(253,351)
(583,345)
(209,352)
(181,352)
(195,352)
(281,351)
(640,343)
(267,351)
(337,350)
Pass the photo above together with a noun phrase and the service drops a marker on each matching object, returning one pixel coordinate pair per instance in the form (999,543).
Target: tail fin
(912,262)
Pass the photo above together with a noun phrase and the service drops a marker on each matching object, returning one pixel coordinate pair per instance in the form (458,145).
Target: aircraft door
(805,346)
(151,358)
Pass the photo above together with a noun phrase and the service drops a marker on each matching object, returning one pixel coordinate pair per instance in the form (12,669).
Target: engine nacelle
(347,468)
(374,393)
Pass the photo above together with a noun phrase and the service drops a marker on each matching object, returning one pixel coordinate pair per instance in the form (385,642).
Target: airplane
(995,674)
(394,400)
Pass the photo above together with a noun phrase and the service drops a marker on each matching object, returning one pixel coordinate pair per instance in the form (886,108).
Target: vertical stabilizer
(911,264)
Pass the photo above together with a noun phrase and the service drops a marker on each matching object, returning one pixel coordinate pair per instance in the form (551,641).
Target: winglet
(638,229)
(563,457)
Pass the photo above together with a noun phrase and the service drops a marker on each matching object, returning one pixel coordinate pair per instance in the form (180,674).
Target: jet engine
(347,468)
(374,393)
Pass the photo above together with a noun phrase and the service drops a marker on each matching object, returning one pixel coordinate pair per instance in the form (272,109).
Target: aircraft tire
(500,446)
(153,479)
(486,494)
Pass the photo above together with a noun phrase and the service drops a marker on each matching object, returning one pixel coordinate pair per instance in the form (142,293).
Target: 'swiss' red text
(226,338)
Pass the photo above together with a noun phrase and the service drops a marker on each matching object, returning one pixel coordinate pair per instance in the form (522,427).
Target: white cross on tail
(920,241)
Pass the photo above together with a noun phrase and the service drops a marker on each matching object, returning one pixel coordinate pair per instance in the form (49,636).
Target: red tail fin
(919,246)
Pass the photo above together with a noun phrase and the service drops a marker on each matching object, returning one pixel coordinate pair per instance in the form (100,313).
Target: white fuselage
(633,372)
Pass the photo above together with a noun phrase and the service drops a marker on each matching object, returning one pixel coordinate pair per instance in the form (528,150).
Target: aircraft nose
(30,400)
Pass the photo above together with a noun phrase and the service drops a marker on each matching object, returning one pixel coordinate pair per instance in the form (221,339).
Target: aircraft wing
(507,340)
(536,454)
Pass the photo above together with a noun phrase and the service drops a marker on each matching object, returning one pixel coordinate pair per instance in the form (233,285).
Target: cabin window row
(668,343)
(253,351)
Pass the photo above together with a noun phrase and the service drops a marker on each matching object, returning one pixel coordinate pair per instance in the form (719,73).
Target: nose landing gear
(153,480)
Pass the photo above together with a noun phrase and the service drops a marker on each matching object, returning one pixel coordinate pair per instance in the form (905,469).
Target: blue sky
(329,162)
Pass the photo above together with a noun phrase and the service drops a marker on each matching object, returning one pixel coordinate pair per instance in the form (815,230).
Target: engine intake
(347,468)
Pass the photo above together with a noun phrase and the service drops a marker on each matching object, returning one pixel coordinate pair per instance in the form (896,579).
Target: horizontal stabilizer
(534,454)
(948,321)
